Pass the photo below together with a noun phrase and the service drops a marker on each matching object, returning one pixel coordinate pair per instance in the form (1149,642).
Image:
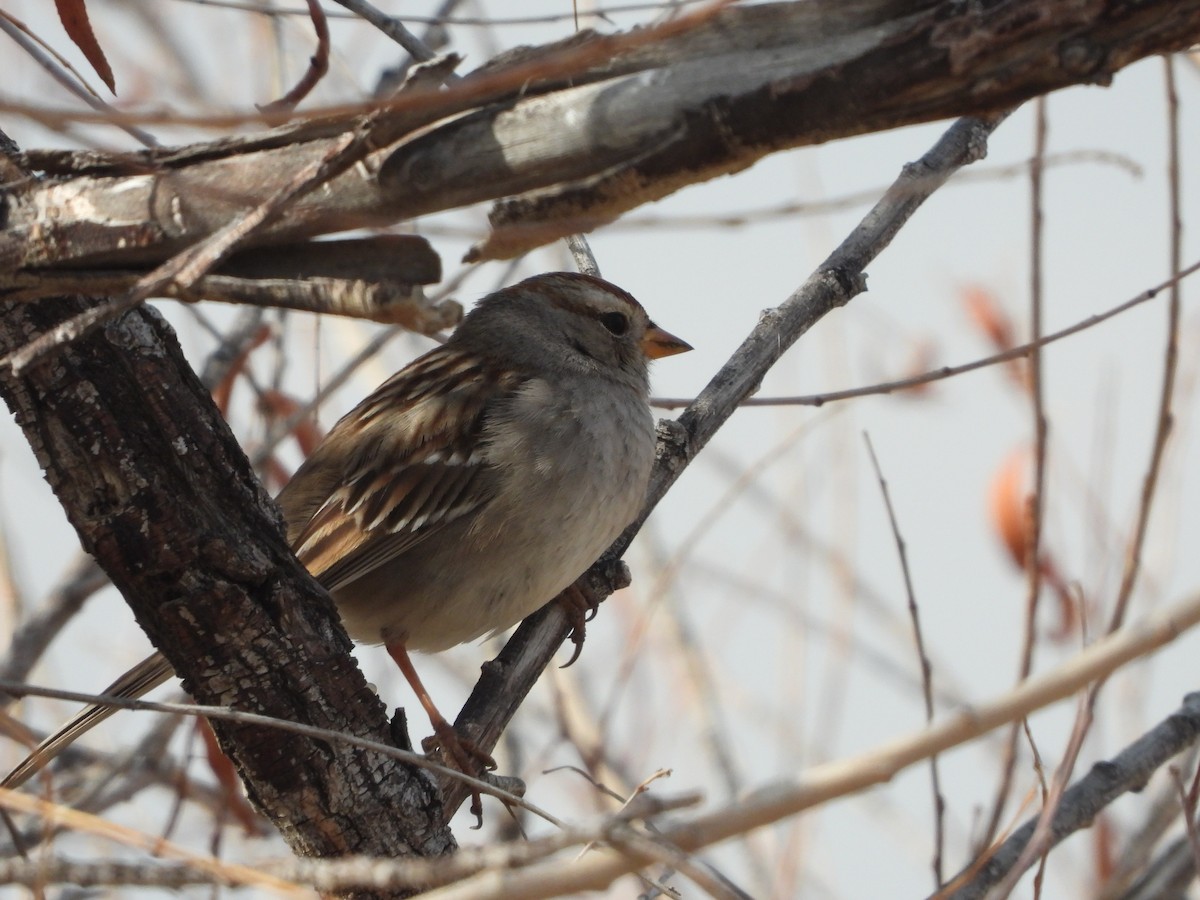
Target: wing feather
(405,463)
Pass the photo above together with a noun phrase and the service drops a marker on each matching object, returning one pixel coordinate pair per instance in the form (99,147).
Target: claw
(577,636)
(580,610)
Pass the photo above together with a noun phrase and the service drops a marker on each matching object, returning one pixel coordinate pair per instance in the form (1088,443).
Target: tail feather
(142,678)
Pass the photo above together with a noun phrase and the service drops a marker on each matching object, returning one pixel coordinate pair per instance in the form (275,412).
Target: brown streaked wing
(401,466)
(342,545)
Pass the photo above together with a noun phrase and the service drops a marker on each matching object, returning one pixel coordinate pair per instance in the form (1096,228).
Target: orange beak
(657,343)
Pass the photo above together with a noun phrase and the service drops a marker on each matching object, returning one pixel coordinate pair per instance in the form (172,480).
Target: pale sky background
(782,628)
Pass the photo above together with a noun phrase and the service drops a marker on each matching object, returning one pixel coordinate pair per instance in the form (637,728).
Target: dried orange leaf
(989,317)
(74,16)
(1008,503)
(1010,507)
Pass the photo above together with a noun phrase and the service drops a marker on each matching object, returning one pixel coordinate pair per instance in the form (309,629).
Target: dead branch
(645,115)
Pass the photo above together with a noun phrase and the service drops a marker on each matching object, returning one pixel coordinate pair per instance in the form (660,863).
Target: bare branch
(1128,771)
(509,678)
(649,112)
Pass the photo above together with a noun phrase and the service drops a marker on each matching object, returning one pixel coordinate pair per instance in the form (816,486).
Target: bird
(473,486)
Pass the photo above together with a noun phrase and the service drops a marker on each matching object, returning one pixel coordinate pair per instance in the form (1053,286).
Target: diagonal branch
(508,679)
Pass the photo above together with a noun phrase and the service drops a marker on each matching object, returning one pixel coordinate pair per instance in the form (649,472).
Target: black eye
(615,322)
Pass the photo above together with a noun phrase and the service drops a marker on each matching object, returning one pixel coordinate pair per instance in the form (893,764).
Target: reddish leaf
(989,316)
(78,26)
(279,405)
(223,391)
(1009,505)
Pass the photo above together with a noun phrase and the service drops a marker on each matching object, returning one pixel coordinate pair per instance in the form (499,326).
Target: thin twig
(1162,431)
(1139,844)
(1036,503)
(1103,783)
(818,785)
(1187,800)
(30,641)
(57,815)
(23,689)
(630,840)
(585,260)
(474,21)
(318,65)
(1043,838)
(331,874)
(390,26)
(939,801)
(123,776)
(76,84)
(505,683)
(902,384)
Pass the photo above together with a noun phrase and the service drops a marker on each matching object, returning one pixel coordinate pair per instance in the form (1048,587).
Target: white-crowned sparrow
(475,484)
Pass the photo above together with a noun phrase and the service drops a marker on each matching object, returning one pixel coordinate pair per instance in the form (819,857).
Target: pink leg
(465,755)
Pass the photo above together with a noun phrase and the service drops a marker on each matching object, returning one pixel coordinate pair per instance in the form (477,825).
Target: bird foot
(465,756)
(580,609)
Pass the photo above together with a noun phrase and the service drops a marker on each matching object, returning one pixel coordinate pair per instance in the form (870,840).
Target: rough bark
(162,495)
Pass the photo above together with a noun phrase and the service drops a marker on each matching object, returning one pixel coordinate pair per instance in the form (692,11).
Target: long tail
(142,678)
